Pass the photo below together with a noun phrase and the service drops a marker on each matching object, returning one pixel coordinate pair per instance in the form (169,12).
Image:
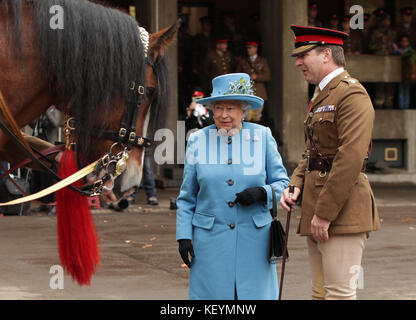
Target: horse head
(151,115)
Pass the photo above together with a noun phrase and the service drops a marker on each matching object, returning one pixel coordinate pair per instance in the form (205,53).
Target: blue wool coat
(231,241)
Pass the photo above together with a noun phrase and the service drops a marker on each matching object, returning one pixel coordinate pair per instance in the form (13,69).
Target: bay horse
(92,60)
(91,69)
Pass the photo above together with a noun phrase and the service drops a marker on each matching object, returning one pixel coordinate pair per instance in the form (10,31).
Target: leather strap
(273,212)
(324,164)
(61,184)
(14,127)
(45,152)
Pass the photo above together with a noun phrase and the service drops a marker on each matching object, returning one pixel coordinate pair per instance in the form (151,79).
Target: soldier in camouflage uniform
(381,43)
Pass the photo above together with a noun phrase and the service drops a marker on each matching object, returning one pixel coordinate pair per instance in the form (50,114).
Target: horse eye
(150,91)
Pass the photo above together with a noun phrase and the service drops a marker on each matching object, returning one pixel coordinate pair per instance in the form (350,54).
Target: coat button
(231,204)
(230,161)
(229,140)
(230,182)
(231,225)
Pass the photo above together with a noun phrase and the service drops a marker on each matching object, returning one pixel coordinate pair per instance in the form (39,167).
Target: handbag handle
(273,212)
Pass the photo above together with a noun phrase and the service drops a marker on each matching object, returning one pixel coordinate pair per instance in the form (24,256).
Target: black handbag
(277,234)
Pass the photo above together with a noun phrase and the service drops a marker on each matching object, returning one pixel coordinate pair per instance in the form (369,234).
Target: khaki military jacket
(261,68)
(342,117)
(216,65)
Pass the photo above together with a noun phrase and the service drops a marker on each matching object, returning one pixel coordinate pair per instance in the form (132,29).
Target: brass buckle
(132,85)
(140,141)
(97,184)
(122,133)
(140,90)
(132,136)
(105,160)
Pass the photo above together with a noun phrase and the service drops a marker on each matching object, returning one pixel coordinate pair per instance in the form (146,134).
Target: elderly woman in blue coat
(223,217)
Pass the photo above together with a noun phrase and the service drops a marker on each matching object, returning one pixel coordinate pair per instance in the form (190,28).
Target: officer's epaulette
(349,80)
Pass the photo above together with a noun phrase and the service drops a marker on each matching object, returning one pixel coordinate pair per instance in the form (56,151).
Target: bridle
(126,137)
(113,164)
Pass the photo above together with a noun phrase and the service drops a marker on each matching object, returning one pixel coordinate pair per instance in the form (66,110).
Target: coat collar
(331,85)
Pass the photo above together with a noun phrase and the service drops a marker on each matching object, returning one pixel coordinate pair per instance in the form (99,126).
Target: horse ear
(162,39)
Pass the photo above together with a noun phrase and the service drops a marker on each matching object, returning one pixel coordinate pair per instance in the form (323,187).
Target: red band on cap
(249,43)
(197,94)
(325,38)
(222,41)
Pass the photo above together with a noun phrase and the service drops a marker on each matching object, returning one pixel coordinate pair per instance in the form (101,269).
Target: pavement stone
(140,260)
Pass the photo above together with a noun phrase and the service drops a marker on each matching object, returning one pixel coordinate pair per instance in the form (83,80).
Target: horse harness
(112,164)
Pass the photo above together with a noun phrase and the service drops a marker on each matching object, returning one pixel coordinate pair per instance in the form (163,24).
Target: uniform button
(231,225)
(230,161)
(231,204)
(229,140)
(230,182)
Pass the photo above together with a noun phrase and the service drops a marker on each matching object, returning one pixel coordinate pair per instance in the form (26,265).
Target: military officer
(355,42)
(333,21)
(406,25)
(219,61)
(338,206)
(381,43)
(258,69)
(313,20)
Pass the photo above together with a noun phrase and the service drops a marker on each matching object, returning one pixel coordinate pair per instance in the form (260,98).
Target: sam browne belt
(324,164)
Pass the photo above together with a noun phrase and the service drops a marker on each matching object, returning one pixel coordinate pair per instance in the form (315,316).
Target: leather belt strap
(45,152)
(324,164)
(61,184)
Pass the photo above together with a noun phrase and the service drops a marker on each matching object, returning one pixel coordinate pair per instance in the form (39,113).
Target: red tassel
(77,236)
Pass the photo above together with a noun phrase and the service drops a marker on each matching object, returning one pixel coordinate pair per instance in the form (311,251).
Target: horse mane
(91,61)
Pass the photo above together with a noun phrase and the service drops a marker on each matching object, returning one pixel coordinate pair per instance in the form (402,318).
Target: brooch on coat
(255,139)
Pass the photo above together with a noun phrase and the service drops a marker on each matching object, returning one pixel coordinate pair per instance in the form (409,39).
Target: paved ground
(139,258)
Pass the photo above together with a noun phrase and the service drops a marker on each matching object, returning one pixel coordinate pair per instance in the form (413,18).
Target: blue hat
(233,86)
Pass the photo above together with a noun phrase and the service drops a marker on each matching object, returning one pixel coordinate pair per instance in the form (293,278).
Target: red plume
(77,236)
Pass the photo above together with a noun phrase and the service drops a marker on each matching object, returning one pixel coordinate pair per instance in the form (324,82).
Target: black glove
(186,248)
(251,195)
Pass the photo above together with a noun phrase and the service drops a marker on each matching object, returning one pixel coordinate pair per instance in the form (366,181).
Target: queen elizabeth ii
(223,218)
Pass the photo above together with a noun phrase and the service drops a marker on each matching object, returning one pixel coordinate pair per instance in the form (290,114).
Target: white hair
(244,105)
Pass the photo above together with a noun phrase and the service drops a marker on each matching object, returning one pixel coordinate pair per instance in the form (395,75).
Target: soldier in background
(219,61)
(333,21)
(365,33)
(233,34)
(47,128)
(313,16)
(354,43)
(258,69)
(406,25)
(381,43)
(198,116)
(203,42)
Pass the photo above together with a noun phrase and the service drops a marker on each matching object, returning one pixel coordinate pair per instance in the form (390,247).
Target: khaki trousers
(334,265)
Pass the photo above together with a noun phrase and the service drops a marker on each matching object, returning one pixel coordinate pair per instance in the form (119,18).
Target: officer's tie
(316,93)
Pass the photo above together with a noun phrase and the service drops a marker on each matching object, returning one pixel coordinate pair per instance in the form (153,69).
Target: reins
(113,165)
